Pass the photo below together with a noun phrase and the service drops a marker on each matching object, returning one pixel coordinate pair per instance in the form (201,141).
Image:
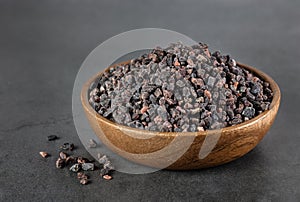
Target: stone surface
(42,47)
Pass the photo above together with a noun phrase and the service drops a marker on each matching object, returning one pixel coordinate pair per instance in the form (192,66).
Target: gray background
(42,45)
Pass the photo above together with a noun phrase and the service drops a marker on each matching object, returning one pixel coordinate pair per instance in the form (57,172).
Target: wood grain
(180,151)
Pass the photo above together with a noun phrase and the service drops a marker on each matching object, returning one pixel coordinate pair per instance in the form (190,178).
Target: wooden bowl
(184,150)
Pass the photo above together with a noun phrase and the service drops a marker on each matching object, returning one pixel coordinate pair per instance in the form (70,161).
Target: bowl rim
(259,73)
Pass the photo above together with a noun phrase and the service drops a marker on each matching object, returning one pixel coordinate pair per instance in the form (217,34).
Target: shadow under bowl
(183,150)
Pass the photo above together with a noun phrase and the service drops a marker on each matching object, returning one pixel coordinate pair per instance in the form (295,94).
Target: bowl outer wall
(147,147)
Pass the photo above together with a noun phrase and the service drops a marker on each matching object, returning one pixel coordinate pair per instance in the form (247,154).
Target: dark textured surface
(42,45)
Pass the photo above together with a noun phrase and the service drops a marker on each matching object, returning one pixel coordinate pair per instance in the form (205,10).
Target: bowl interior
(260,74)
